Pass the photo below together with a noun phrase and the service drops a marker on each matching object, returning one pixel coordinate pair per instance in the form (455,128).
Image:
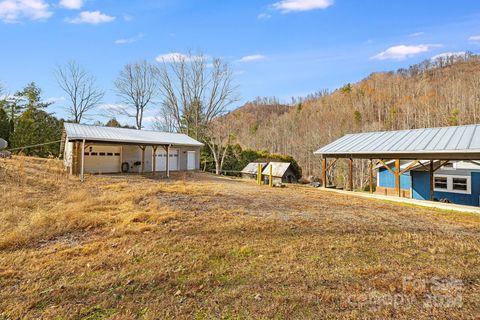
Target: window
(441,183)
(101,154)
(109,154)
(453,184)
(94,154)
(86,153)
(460,184)
(117,154)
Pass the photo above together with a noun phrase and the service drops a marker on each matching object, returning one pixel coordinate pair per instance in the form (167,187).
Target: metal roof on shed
(278,168)
(76,131)
(252,167)
(457,142)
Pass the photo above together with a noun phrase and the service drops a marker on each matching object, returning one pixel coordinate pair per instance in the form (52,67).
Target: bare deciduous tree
(219,137)
(194,91)
(81,89)
(136,87)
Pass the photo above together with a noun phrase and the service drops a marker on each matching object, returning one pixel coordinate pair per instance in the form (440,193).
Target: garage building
(97,150)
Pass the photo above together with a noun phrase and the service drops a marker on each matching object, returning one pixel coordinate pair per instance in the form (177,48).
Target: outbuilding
(95,149)
(456,182)
(251,170)
(282,172)
(408,153)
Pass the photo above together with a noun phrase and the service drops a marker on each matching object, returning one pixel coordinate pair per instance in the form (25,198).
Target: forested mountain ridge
(434,93)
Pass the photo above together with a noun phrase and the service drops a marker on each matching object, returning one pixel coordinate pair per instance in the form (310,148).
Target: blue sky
(280,48)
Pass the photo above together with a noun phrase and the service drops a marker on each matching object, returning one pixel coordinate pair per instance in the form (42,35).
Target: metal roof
(449,143)
(252,167)
(76,131)
(278,168)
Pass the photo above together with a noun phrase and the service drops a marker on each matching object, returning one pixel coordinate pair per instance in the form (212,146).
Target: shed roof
(252,167)
(278,168)
(76,131)
(447,143)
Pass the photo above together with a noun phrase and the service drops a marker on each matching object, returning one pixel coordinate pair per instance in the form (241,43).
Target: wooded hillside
(434,93)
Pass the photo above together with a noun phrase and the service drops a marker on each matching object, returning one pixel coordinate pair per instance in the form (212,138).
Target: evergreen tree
(4,125)
(36,127)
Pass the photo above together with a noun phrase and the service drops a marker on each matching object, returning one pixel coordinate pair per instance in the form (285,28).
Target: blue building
(449,170)
(457,182)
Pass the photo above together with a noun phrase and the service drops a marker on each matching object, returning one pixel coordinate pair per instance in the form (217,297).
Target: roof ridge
(116,128)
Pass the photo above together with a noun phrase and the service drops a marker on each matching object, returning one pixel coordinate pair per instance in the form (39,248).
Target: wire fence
(34,145)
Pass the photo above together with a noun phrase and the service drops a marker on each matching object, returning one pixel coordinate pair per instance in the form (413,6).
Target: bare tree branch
(194,92)
(136,87)
(81,89)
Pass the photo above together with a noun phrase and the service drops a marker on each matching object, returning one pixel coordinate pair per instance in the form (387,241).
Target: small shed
(282,172)
(251,170)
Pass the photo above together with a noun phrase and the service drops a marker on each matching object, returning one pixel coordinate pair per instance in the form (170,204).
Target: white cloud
(416,34)
(90,17)
(403,51)
(264,16)
(301,5)
(254,57)
(12,11)
(474,38)
(71,4)
(55,99)
(175,56)
(449,54)
(129,40)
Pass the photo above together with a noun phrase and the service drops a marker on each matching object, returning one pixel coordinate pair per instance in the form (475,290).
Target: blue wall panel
(421,190)
(387,179)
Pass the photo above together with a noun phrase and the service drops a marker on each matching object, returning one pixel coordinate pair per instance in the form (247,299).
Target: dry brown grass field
(202,247)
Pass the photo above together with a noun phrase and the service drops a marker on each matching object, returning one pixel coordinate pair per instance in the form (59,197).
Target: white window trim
(450,183)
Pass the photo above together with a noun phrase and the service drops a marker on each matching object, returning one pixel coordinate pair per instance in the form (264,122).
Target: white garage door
(102,159)
(162,160)
(191,160)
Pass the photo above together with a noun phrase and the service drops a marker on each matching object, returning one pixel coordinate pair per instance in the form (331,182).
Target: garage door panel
(162,160)
(102,159)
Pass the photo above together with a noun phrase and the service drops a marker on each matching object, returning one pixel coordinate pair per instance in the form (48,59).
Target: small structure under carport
(437,145)
(95,149)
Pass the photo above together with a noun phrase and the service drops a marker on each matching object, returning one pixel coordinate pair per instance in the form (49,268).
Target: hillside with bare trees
(435,93)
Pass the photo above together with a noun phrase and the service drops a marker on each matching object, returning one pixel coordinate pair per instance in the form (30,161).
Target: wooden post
(350,170)
(82,168)
(143,158)
(154,162)
(397,177)
(259,174)
(371,175)
(270,179)
(74,159)
(432,183)
(167,163)
(324,172)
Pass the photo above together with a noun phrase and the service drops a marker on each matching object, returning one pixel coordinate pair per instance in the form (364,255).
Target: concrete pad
(423,203)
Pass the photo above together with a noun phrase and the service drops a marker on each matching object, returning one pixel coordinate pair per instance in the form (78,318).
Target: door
(162,160)
(102,159)
(191,160)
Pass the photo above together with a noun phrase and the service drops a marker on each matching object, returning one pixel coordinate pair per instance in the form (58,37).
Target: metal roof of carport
(447,143)
(76,131)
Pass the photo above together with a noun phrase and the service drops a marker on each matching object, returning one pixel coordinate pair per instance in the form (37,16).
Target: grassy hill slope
(205,247)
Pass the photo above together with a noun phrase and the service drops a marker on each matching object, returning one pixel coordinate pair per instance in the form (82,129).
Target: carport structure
(123,145)
(438,146)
